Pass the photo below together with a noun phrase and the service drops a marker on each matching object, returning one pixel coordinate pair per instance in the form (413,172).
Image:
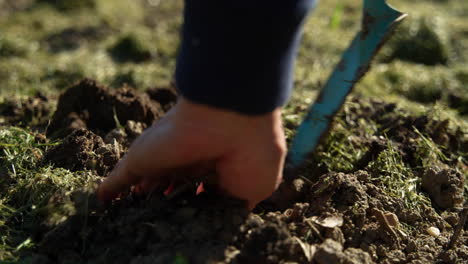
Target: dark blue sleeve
(239,54)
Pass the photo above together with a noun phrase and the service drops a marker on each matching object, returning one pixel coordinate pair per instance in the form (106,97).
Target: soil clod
(84,150)
(444,186)
(91,106)
(33,111)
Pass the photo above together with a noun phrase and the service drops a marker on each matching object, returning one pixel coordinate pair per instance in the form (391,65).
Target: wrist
(202,114)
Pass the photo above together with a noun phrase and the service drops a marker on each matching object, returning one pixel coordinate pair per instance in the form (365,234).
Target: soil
(344,219)
(85,150)
(98,124)
(97,108)
(336,218)
(35,110)
(166,96)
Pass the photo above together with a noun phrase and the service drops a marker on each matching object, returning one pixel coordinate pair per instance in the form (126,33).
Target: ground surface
(387,185)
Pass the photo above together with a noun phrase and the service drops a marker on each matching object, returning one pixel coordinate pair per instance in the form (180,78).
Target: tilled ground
(333,217)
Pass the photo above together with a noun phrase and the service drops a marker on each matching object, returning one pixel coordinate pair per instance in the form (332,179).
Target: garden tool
(378,22)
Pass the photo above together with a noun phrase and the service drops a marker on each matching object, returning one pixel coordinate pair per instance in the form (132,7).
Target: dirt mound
(154,230)
(444,186)
(85,150)
(336,217)
(345,218)
(91,106)
(35,111)
(167,97)
(98,125)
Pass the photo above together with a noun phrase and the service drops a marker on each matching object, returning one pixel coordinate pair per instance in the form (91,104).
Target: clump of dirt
(73,38)
(99,124)
(33,111)
(444,186)
(125,135)
(91,106)
(166,96)
(84,150)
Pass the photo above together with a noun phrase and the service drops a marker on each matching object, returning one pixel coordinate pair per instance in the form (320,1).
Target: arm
(239,55)
(234,72)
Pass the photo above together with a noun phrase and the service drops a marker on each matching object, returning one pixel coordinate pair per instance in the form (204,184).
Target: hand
(246,152)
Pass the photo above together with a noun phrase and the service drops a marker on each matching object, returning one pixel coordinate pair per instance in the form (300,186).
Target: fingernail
(200,188)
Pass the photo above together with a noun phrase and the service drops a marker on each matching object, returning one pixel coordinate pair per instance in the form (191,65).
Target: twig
(459,228)
(315,230)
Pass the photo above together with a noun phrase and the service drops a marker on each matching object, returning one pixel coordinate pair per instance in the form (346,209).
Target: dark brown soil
(444,186)
(167,97)
(84,150)
(344,219)
(91,106)
(98,124)
(335,218)
(35,111)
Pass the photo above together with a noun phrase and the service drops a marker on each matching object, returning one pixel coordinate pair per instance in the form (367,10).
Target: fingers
(143,161)
(147,185)
(117,181)
(249,153)
(160,156)
(132,169)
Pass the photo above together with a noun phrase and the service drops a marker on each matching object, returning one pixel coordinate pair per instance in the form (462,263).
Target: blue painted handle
(379,20)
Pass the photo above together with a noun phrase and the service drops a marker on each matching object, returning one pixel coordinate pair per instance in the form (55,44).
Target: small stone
(134,129)
(392,220)
(433,231)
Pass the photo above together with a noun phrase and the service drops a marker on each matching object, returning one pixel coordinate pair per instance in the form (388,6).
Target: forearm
(239,55)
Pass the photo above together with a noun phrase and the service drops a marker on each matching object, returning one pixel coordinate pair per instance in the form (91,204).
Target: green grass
(397,179)
(26,186)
